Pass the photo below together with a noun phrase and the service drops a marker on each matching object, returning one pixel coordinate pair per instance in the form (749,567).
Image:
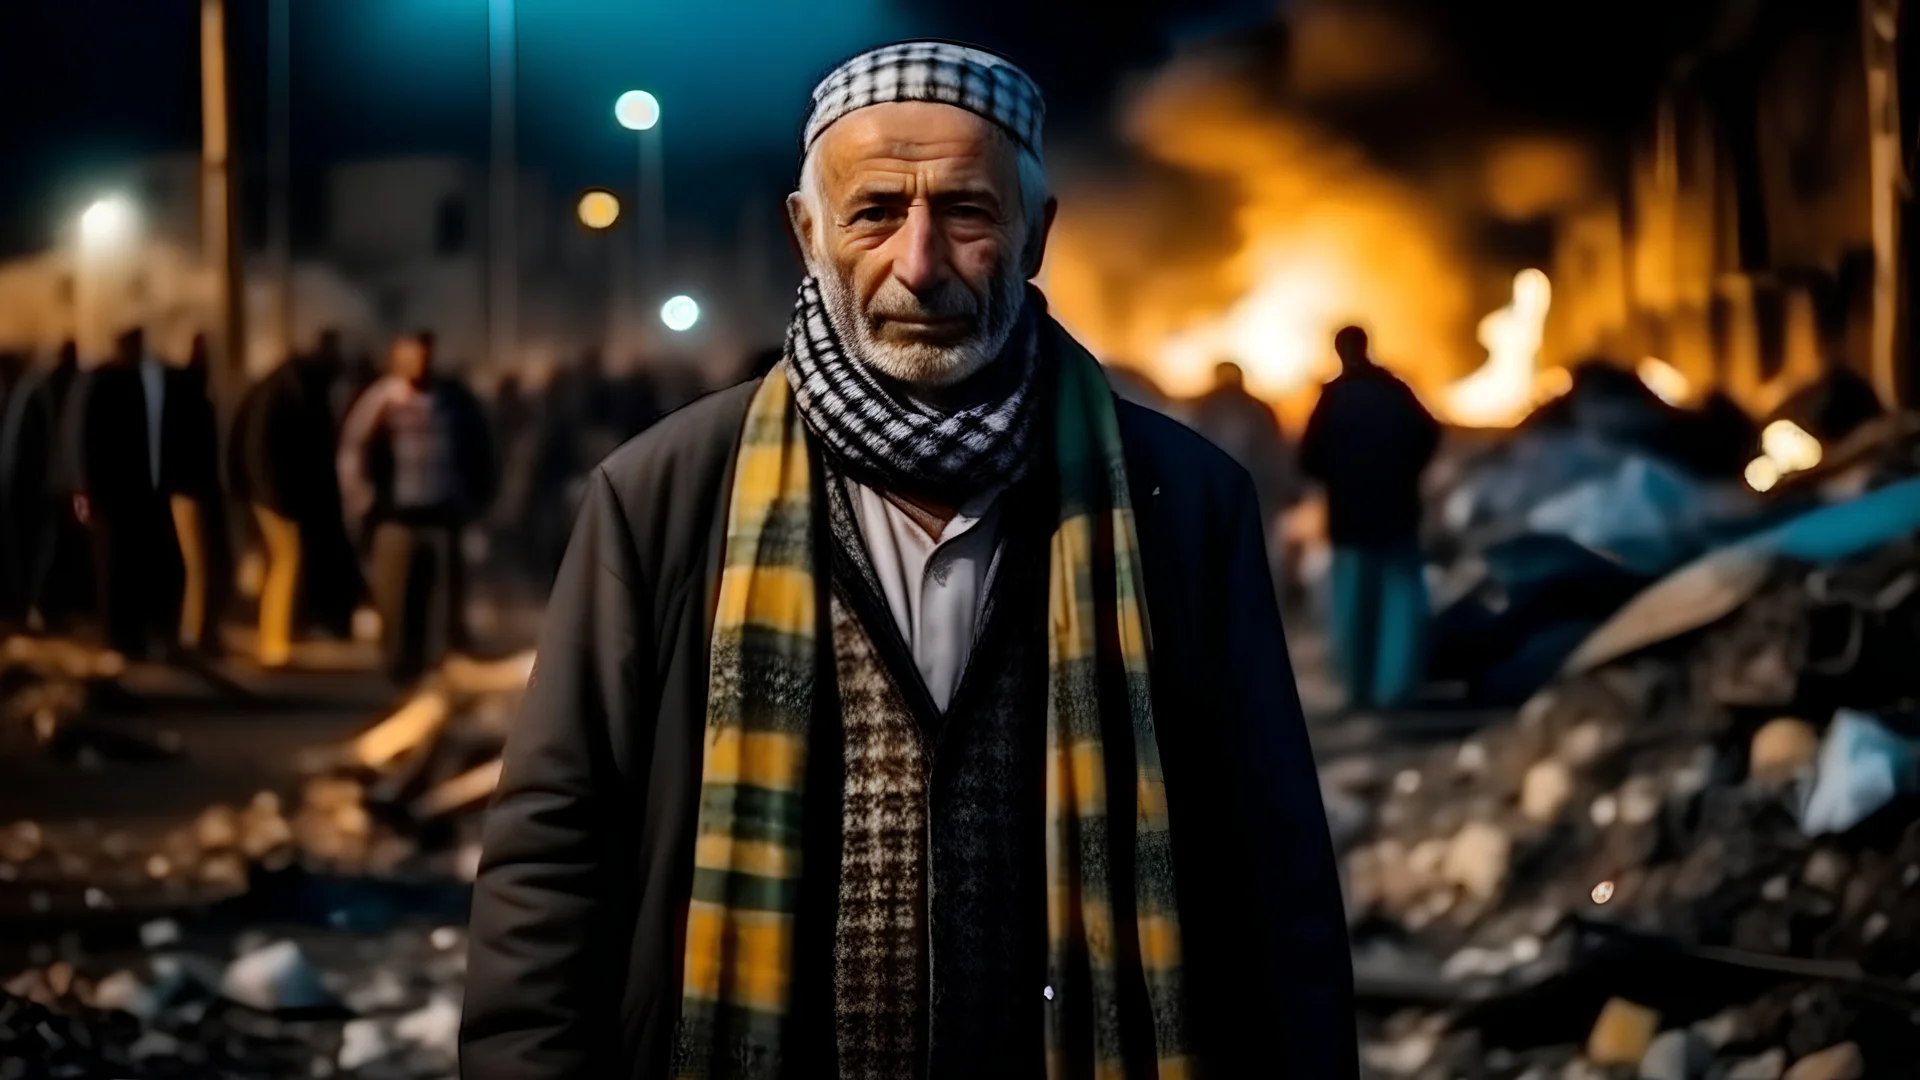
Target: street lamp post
(220,247)
(280,169)
(639,111)
(503,248)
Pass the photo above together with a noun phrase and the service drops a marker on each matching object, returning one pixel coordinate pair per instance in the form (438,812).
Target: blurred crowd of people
(355,486)
(359,486)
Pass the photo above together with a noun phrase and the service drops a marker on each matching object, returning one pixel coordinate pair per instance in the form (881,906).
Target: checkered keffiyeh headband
(940,71)
(877,437)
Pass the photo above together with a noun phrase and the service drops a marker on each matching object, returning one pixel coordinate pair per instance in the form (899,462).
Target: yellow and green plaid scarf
(739,936)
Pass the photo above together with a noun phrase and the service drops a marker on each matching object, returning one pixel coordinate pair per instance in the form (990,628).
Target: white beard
(919,363)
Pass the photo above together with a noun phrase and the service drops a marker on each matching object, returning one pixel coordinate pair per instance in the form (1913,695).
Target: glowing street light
(599,209)
(680,313)
(107,222)
(637,110)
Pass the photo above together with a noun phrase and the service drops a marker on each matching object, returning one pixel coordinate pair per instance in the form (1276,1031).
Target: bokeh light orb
(599,209)
(637,110)
(107,221)
(680,313)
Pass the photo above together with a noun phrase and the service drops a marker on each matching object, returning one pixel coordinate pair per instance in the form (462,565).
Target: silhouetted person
(360,372)
(580,396)
(144,437)
(417,463)
(47,551)
(197,499)
(635,401)
(1245,427)
(576,431)
(19,524)
(1368,441)
(285,439)
(513,410)
(516,434)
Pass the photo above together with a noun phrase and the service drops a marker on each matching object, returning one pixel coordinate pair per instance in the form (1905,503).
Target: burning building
(1731,224)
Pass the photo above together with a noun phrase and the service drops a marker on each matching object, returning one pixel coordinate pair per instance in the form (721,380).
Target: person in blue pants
(1367,443)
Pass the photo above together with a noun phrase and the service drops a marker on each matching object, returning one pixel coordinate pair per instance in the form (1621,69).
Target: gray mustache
(950,300)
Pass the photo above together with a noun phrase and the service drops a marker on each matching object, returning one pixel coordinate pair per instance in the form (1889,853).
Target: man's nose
(921,262)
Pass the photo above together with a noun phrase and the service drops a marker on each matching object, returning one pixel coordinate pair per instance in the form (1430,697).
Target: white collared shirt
(153,380)
(934,588)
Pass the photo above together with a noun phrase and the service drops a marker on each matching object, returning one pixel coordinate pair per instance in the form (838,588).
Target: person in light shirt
(416,464)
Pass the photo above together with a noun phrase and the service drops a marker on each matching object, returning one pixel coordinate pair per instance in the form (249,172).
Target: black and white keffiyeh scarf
(880,436)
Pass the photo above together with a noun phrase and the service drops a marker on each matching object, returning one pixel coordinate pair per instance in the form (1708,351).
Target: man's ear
(799,223)
(1037,246)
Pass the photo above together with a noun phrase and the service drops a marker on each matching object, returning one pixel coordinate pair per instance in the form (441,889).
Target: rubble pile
(380,1008)
(378,806)
(369,840)
(1735,790)
(1545,533)
(43,684)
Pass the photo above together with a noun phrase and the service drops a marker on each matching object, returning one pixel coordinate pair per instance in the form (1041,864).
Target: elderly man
(917,710)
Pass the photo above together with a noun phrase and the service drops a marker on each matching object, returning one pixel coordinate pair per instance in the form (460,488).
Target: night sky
(92,82)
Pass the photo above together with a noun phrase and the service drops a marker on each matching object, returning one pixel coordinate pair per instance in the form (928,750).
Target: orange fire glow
(1505,388)
(1278,237)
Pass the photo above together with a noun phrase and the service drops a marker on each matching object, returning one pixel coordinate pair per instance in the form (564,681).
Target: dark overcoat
(575,952)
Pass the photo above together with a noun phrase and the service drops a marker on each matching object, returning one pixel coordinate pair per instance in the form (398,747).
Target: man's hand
(82,509)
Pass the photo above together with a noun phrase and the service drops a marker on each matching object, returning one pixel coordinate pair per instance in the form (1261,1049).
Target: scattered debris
(1622,1034)
(1722,780)
(275,978)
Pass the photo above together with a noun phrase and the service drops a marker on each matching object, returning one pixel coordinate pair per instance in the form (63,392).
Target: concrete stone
(1842,1062)
(363,1042)
(124,991)
(1826,870)
(1781,748)
(1768,1066)
(1545,790)
(217,828)
(1678,1054)
(1640,799)
(1477,859)
(1718,1030)
(1622,1033)
(275,977)
(1584,744)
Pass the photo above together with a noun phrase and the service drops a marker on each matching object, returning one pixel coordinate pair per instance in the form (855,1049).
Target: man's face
(919,239)
(411,360)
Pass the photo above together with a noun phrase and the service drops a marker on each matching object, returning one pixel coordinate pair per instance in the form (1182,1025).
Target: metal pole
(280,166)
(1880,21)
(220,248)
(653,202)
(642,241)
(503,258)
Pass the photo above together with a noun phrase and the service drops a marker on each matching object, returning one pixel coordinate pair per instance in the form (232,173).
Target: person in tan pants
(285,431)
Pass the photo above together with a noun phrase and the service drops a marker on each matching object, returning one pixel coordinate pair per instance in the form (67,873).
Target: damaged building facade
(1755,237)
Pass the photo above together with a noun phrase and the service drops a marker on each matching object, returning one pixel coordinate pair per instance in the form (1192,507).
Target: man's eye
(971,213)
(872,215)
